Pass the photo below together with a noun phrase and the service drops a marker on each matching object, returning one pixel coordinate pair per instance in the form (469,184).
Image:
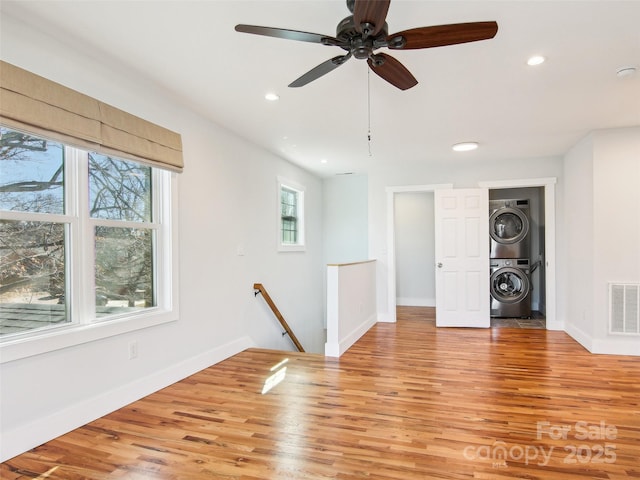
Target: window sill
(291,248)
(72,335)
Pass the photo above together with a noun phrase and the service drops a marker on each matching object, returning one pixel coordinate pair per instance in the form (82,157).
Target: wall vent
(624,308)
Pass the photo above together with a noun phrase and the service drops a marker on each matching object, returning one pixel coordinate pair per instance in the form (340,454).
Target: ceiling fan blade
(392,71)
(373,12)
(441,35)
(320,70)
(287,34)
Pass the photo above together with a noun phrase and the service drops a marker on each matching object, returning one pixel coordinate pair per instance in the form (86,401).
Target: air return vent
(624,308)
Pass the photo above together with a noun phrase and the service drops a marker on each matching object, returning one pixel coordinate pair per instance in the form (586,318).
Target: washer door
(508,225)
(509,285)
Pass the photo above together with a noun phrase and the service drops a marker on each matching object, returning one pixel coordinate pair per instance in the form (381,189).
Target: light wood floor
(405,402)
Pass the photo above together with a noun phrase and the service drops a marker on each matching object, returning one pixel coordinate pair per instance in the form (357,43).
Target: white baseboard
(617,346)
(612,345)
(336,349)
(415,302)
(580,336)
(41,430)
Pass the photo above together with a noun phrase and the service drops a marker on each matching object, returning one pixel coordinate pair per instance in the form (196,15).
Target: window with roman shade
(87,217)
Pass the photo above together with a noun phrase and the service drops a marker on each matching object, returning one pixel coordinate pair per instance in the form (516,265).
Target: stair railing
(259,288)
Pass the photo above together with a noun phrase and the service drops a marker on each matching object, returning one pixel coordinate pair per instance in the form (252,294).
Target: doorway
(547,193)
(415,249)
(532,253)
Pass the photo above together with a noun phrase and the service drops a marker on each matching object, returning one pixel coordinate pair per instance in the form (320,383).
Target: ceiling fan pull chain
(369,110)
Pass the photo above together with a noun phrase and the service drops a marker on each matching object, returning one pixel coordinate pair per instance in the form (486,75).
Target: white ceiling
(481,91)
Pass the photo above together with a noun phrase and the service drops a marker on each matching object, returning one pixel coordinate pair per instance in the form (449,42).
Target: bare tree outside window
(34,270)
(289,215)
(31,173)
(32,253)
(120,190)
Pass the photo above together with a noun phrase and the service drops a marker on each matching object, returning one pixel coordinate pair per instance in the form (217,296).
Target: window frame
(300,245)
(84,326)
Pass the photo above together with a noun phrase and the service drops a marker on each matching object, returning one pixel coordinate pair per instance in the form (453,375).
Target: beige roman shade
(33,103)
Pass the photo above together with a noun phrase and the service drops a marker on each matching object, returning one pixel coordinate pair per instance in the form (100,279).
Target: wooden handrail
(260,289)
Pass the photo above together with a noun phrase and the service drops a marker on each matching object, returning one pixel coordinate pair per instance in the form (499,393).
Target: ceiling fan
(366,30)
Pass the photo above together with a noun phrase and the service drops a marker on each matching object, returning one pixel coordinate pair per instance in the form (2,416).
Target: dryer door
(508,225)
(509,285)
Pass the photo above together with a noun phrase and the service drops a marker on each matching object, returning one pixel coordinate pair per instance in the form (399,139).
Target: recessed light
(324,160)
(272,97)
(535,60)
(465,146)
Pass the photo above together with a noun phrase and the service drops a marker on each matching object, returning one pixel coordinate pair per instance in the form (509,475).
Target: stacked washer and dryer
(510,282)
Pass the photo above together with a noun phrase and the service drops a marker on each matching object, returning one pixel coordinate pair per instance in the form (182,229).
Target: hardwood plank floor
(407,401)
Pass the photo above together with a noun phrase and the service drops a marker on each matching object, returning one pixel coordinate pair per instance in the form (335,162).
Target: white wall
(579,249)
(604,233)
(617,234)
(351,304)
(227,198)
(345,222)
(466,174)
(345,218)
(415,249)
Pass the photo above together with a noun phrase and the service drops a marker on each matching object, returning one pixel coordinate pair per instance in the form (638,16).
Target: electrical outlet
(133,350)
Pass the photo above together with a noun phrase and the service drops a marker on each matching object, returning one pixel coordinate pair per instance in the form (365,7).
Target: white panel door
(462,257)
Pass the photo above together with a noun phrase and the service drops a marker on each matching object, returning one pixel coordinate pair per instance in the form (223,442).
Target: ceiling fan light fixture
(535,60)
(272,97)
(465,146)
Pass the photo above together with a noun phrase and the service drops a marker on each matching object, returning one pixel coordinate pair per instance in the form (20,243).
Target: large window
(85,238)
(291,219)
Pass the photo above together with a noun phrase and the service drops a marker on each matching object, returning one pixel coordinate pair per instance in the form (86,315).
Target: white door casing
(549,185)
(462,258)
(390,315)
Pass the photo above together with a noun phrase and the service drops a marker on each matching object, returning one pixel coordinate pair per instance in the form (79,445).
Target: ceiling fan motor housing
(359,44)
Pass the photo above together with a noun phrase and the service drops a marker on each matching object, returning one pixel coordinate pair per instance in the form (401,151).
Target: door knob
(439,264)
